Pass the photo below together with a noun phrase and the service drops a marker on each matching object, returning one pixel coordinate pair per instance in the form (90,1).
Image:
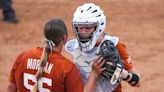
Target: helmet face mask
(84,37)
(85,24)
(88,16)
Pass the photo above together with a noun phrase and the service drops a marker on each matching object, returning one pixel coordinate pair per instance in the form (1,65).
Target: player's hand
(97,66)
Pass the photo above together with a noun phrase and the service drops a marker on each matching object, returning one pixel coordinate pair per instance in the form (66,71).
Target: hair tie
(50,43)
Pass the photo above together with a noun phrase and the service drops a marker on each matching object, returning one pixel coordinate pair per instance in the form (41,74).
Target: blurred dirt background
(138,23)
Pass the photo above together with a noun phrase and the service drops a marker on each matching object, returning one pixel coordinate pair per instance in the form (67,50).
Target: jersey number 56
(31,77)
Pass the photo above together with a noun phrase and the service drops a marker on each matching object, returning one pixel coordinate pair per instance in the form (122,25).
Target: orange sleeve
(73,81)
(124,56)
(12,72)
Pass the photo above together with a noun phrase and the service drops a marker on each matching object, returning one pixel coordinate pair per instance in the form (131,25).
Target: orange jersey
(124,56)
(125,59)
(60,74)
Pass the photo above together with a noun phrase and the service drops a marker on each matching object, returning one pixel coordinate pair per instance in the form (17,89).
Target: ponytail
(54,31)
(46,50)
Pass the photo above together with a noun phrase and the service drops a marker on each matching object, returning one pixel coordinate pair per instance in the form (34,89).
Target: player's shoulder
(71,45)
(21,56)
(25,52)
(30,52)
(114,39)
(63,63)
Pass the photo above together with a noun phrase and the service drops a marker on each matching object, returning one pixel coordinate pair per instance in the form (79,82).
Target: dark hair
(54,31)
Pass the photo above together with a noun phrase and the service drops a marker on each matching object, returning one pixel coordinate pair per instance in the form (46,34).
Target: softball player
(89,23)
(44,69)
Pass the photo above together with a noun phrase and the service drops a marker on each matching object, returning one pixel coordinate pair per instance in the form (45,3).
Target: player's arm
(129,74)
(12,84)
(12,87)
(94,75)
(73,81)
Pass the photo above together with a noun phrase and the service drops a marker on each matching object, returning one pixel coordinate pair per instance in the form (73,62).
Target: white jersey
(84,63)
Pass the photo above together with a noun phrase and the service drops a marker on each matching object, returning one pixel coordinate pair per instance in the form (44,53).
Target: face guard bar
(85,24)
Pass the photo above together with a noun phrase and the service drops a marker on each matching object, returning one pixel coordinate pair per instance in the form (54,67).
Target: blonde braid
(39,73)
(54,31)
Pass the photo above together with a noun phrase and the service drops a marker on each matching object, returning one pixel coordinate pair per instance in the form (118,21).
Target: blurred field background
(138,23)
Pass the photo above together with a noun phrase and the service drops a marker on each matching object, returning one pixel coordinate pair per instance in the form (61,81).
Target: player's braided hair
(43,61)
(54,31)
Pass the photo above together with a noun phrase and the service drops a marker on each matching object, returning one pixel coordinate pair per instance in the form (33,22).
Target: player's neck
(58,48)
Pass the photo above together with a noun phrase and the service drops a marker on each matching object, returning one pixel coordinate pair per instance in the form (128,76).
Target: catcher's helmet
(89,14)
